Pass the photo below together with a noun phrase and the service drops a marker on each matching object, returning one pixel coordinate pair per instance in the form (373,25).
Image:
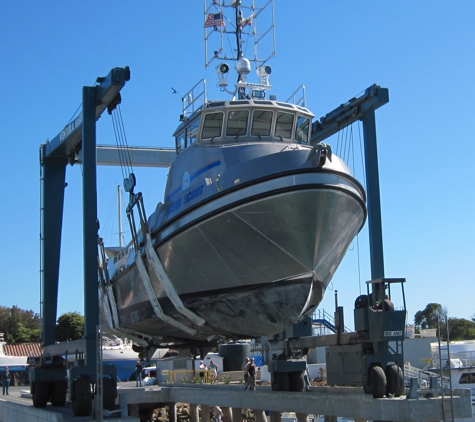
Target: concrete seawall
(12,412)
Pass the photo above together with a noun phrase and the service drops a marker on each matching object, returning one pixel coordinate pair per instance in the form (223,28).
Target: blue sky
(423,52)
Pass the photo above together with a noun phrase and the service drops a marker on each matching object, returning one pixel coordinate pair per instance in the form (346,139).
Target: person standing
(138,374)
(214,371)
(6,380)
(202,372)
(306,377)
(245,369)
(217,413)
(251,372)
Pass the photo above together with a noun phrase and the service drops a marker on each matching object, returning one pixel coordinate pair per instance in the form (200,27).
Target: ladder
(447,399)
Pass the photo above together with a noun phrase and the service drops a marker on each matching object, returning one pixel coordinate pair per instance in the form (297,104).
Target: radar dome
(243,66)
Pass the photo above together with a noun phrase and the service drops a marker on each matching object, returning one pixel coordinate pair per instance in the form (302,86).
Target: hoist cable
(121,141)
(127,152)
(361,155)
(117,141)
(364,185)
(74,114)
(338,143)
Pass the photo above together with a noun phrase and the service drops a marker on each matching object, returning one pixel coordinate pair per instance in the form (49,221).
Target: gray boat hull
(249,263)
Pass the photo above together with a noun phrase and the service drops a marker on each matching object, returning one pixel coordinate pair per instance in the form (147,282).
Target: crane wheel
(378,381)
(82,403)
(395,380)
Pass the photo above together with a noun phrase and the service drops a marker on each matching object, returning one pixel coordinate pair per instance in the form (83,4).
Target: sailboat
(255,217)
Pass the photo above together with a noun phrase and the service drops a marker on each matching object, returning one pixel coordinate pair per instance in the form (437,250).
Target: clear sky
(422,51)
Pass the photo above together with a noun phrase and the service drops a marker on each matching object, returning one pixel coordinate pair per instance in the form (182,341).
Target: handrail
(192,97)
(302,100)
(321,315)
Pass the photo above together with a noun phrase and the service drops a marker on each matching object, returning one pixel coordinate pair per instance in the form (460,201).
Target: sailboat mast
(119,210)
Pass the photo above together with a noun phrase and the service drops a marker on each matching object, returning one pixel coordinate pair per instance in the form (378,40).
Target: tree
(19,325)
(70,326)
(23,334)
(461,329)
(428,317)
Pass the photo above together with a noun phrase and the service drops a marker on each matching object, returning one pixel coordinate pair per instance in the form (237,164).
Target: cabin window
(261,123)
(180,142)
(237,123)
(467,378)
(284,124)
(192,132)
(302,129)
(212,125)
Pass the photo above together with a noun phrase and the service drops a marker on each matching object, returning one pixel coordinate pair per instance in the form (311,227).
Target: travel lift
(48,374)
(372,356)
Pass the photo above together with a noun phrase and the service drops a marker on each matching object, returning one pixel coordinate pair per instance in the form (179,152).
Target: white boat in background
(460,366)
(120,353)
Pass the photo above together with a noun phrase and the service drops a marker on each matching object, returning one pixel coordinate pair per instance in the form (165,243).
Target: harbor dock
(326,402)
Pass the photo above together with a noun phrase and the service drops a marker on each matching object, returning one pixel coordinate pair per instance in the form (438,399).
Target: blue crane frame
(54,157)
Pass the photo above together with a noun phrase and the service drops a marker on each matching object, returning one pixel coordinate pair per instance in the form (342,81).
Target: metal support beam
(374,203)
(66,143)
(108,155)
(52,186)
(348,113)
(91,301)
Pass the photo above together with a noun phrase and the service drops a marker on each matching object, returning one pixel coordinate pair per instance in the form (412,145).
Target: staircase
(323,322)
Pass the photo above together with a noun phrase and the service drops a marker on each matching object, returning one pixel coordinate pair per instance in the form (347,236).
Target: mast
(119,210)
(245,17)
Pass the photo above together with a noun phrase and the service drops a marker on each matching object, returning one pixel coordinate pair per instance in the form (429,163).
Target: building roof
(23,349)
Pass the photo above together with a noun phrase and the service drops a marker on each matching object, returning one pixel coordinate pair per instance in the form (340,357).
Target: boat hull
(251,262)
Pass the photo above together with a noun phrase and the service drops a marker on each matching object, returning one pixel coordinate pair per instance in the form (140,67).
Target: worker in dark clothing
(388,305)
(6,380)
(138,374)
(251,372)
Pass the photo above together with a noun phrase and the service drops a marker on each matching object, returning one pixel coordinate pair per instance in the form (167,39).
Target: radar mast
(237,20)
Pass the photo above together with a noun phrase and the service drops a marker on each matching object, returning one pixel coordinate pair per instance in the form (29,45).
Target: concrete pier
(332,401)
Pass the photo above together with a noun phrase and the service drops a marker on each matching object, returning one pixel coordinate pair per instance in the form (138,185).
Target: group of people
(212,371)
(249,372)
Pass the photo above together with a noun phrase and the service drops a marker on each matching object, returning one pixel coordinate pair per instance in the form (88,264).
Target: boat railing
(463,359)
(298,97)
(194,98)
(324,322)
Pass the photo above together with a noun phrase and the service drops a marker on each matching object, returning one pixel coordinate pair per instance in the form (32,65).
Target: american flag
(214,19)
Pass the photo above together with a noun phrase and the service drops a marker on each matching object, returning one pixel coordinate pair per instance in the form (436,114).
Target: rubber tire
(41,394)
(109,393)
(82,404)
(296,381)
(378,381)
(280,381)
(395,381)
(58,393)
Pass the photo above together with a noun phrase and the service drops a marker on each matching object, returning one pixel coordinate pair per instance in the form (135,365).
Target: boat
(120,353)
(457,361)
(255,218)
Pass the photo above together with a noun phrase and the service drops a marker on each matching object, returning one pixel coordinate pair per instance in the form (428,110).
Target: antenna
(236,23)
